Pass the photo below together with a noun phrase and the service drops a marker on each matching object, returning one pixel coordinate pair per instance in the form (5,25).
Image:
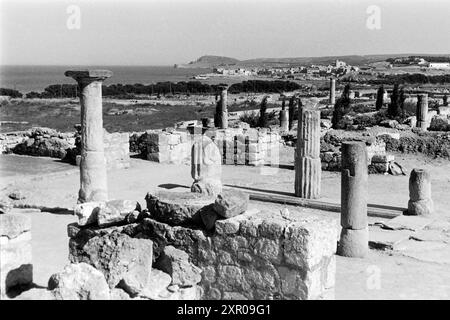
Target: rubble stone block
(230,203)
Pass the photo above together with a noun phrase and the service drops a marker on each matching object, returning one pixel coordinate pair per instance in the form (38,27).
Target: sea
(35,78)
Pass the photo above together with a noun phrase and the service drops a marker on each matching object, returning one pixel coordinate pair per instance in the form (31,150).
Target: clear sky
(165,32)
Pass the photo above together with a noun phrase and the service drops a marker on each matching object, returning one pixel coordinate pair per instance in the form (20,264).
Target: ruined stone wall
(117,150)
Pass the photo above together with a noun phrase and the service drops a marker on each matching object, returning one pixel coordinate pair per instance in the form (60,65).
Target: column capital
(89,75)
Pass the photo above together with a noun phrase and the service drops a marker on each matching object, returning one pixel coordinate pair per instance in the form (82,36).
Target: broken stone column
(420,202)
(16,269)
(284,120)
(93,179)
(206,166)
(422,111)
(307,161)
(354,235)
(332,91)
(223,116)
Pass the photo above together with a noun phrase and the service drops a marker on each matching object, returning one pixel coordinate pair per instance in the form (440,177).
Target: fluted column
(93,178)
(354,178)
(307,160)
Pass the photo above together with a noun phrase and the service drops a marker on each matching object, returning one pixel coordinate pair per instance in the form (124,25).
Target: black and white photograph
(224,155)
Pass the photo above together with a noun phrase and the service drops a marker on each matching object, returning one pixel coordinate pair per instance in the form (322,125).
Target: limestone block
(420,202)
(176,263)
(115,211)
(124,261)
(14,224)
(177,208)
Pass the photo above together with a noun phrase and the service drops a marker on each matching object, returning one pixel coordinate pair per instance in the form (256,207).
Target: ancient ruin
(332,91)
(354,234)
(93,181)
(422,111)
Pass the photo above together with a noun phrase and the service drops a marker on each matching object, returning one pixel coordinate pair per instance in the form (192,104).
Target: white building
(439,65)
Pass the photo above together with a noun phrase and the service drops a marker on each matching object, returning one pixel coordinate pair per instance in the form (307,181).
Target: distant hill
(209,61)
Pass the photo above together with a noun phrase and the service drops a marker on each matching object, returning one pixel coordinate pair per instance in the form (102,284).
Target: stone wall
(239,146)
(259,254)
(16,269)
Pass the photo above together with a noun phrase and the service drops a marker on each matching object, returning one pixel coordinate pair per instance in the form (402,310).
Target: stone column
(206,166)
(332,91)
(307,161)
(422,111)
(420,202)
(93,179)
(223,108)
(354,235)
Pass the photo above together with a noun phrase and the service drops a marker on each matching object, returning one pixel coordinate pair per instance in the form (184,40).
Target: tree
(380,95)
(262,113)
(341,107)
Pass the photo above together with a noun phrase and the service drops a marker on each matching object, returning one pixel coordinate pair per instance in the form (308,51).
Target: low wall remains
(15,252)
(258,254)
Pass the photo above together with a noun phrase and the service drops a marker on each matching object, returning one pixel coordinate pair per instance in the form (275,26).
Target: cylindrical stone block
(420,202)
(284,121)
(354,243)
(332,91)
(93,178)
(224,111)
(354,179)
(422,111)
(307,161)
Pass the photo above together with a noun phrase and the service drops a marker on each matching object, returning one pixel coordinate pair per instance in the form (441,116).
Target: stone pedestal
(420,202)
(16,269)
(307,161)
(206,166)
(93,178)
(284,120)
(354,235)
(422,111)
(332,91)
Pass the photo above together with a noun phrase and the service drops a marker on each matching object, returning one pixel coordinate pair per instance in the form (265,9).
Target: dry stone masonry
(354,179)
(93,178)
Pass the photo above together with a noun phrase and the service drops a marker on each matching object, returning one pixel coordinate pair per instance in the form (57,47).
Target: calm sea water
(36,78)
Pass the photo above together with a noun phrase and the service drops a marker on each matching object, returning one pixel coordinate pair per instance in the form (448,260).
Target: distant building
(340,64)
(439,65)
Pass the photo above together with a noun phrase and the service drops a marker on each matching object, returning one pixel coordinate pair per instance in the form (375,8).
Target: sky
(158,32)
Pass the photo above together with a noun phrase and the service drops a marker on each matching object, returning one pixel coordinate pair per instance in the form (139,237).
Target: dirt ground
(382,275)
